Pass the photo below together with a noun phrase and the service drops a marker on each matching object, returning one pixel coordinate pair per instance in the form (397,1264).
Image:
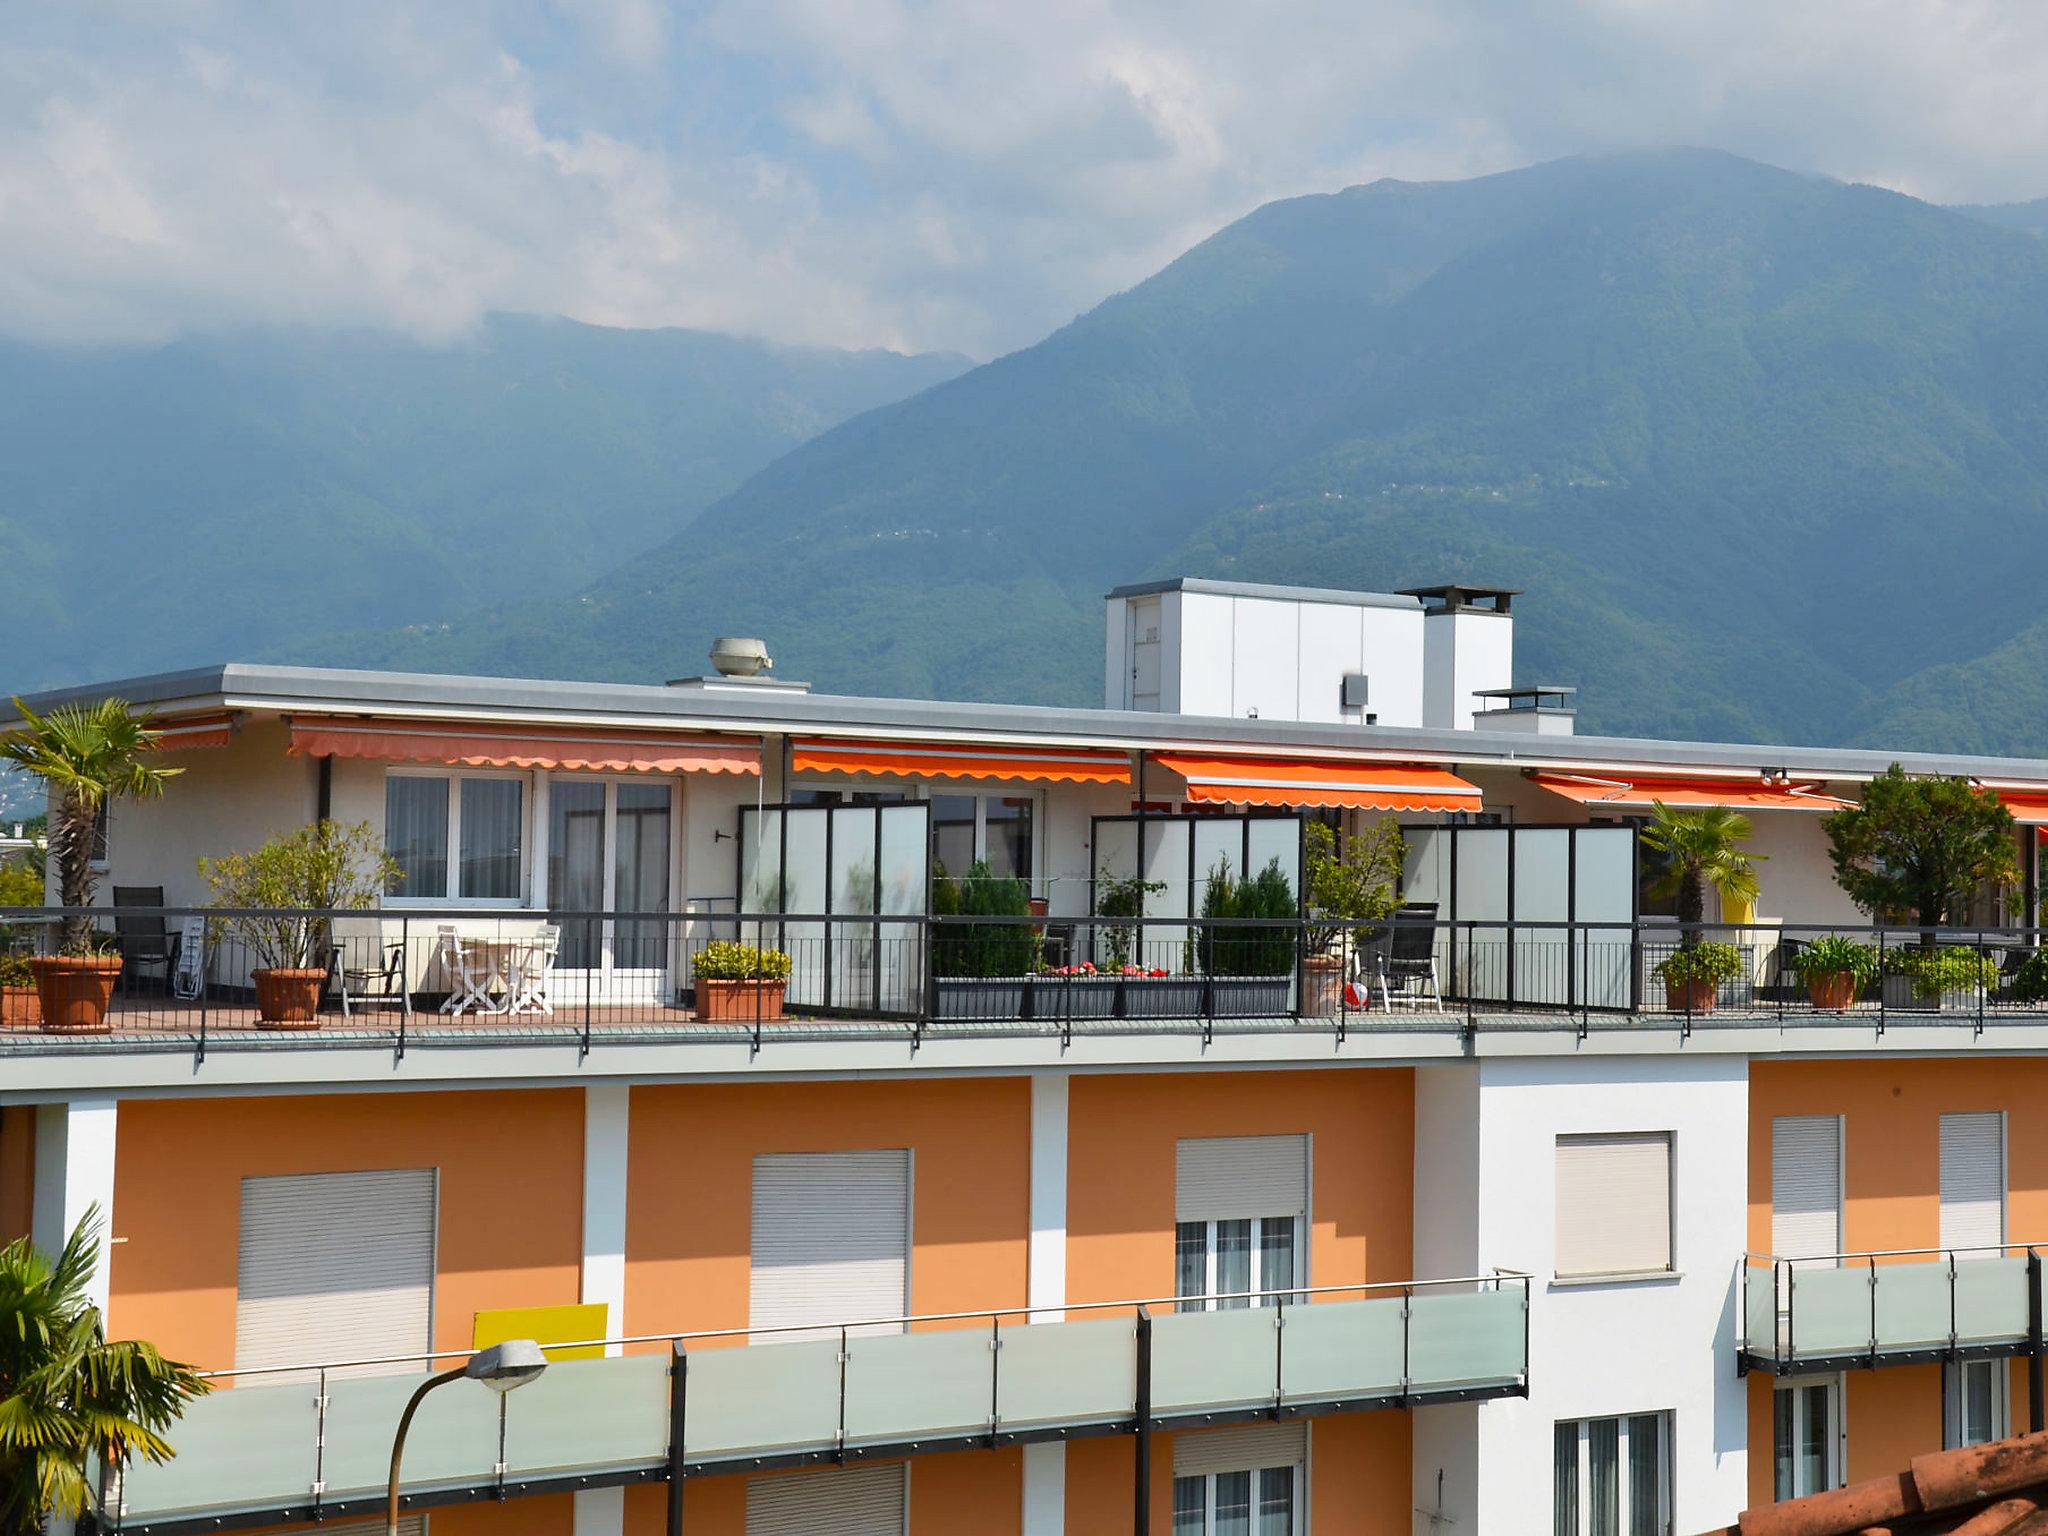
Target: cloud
(903,173)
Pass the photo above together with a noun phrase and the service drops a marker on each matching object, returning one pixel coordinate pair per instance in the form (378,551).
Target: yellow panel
(543,1325)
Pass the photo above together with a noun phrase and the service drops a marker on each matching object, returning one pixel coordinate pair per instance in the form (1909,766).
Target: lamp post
(501,1368)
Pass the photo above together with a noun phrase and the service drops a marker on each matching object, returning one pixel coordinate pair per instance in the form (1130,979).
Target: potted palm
(740,983)
(1835,970)
(283,895)
(1700,848)
(87,755)
(1343,891)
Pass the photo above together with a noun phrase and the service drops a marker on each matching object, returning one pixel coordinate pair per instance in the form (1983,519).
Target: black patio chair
(142,933)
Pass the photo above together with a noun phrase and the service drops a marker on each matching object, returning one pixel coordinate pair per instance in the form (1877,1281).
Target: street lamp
(501,1368)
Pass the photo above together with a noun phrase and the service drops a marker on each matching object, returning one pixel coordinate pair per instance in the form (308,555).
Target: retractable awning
(511,746)
(1639,794)
(2029,808)
(1298,781)
(934,760)
(176,735)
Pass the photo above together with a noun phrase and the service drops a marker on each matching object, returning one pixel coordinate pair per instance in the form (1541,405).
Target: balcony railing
(188,977)
(1888,1308)
(315,1441)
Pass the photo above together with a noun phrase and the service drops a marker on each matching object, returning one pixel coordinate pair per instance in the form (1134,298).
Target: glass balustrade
(1798,1312)
(251,1446)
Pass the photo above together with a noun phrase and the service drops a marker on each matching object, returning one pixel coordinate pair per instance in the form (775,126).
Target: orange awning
(1294,781)
(1689,794)
(175,735)
(511,746)
(2029,807)
(933,760)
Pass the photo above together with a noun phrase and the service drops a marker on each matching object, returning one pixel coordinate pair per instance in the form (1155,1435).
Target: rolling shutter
(1228,1178)
(831,1241)
(1614,1204)
(335,1266)
(1973,1180)
(1242,1448)
(1806,1186)
(855,1501)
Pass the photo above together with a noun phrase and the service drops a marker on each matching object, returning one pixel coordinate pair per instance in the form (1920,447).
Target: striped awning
(569,748)
(938,760)
(1640,794)
(176,734)
(1301,781)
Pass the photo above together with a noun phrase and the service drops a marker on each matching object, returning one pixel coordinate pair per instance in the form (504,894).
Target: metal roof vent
(739,656)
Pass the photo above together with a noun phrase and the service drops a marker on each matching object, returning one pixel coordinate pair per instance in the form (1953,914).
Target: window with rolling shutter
(1973,1180)
(1806,1186)
(1614,1204)
(335,1266)
(851,1501)
(831,1242)
(1219,1178)
(1242,1447)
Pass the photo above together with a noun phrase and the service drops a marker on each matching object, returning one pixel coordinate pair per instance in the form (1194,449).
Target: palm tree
(67,1395)
(88,755)
(1700,848)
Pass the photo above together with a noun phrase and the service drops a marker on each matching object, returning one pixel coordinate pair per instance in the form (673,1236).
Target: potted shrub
(1693,973)
(982,970)
(739,983)
(1835,970)
(18,1003)
(87,755)
(1950,977)
(1249,968)
(2030,981)
(1342,891)
(298,879)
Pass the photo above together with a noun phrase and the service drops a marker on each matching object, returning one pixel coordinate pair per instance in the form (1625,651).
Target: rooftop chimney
(1468,650)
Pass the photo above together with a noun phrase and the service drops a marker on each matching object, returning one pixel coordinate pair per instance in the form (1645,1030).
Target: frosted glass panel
(760,861)
(242,1446)
(905,855)
(1911,1305)
(855,949)
(580,1414)
(1162,945)
(1217,839)
(909,1384)
(454,1437)
(1830,1310)
(1991,1298)
(1456,1337)
(1083,1370)
(1204,1358)
(1341,1349)
(1606,875)
(1481,857)
(1272,838)
(806,888)
(1426,872)
(1543,889)
(1760,1300)
(776,1396)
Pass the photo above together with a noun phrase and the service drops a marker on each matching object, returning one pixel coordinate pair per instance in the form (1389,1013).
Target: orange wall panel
(1891,1415)
(689,1221)
(1123,1130)
(510,1217)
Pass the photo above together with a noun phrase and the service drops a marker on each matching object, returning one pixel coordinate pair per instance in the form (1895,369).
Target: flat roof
(280,689)
(1269,590)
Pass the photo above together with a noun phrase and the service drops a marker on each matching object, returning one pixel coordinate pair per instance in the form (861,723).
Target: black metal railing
(412,974)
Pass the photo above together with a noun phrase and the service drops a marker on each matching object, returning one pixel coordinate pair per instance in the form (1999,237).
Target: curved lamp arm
(398,1445)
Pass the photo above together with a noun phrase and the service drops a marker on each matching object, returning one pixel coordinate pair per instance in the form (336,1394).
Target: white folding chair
(473,984)
(532,964)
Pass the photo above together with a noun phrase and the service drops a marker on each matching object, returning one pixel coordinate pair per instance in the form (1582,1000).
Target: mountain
(226,495)
(2028,218)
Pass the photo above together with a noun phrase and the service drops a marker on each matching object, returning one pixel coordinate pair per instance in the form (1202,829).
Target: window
(993,827)
(1239,1482)
(1806,1436)
(1806,1186)
(1976,1398)
(459,837)
(1973,1183)
(1240,1213)
(840,1501)
(1612,1477)
(1614,1204)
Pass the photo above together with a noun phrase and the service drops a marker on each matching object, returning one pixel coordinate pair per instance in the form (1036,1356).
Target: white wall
(1283,658)
(1067,848)
(1796,879)
(1464,650)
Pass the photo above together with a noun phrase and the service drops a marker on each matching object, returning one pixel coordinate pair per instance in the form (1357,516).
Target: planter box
(20,1006)
(980,997)
(75,991)
(288,997)
(1074,997)
(740,1002)
(1899,998)
(1163,997)
(1249,997)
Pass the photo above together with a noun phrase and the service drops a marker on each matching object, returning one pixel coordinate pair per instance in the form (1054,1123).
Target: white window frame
(1623,1467)
(453,776)
(1297,1510)
(539,850)
(1838,1427)
(1953,1376)
(1261,1281)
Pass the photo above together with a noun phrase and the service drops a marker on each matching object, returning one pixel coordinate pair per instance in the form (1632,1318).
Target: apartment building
(1129,1238)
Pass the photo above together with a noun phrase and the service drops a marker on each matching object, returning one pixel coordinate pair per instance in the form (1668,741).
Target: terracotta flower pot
(739,1002)
(1322,985)
(1834,990)
(1690,996)
(19,1006)
(75,991)
(288,996)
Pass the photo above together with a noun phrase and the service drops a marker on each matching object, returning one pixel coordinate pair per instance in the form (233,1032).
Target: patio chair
(144,937)
(532,964)
(1406,960)
(380,984)
(472,977)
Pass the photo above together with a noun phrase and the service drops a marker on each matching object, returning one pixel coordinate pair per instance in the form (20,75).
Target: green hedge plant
(2030,981)
(726,960)
(1224,949)
(1937,972)
(981,949)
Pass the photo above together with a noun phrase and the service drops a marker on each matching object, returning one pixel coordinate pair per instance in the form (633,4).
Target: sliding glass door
(610,847)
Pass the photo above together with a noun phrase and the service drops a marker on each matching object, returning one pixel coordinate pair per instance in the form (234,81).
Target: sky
(877,173)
